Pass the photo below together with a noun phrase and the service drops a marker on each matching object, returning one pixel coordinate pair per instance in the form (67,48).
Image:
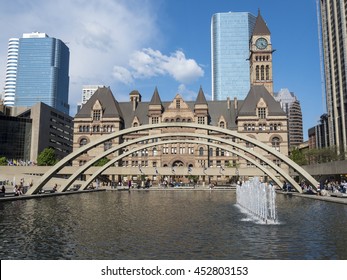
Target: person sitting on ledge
(17,191)
(2,191)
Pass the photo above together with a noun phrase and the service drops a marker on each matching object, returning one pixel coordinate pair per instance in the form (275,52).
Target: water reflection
(168,225)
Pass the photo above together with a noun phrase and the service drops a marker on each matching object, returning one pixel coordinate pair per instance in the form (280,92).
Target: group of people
(2,191)
(333,186)
(144,184)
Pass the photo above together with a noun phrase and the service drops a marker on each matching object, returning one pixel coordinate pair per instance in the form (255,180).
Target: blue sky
(141,44)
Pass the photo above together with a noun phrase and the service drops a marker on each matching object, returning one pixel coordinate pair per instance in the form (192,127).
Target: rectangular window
(155,120)
(96,115)
(262,113)
(201,120)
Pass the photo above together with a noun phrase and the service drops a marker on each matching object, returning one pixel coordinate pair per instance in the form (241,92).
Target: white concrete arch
(111,162)
(166,135)
(46,177)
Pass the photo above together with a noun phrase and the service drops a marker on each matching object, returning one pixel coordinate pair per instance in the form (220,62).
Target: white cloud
(149,63)
(189,95)
(99,34)
(122,74)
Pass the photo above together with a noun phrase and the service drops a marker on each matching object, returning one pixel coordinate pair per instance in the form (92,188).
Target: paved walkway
(335,199)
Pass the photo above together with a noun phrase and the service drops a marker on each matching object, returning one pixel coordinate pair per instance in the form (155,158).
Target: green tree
(101,162)
(47,157)
(298,157)
(3,161)
(193,178)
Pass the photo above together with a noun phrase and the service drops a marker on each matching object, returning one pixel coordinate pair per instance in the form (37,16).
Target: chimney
(235,103)
(135,98)
(228,103)
(134,101)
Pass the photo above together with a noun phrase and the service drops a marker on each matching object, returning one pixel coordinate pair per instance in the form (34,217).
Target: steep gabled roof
(260,27)
(201,99)
(249,105)
(109,104)
(155,98)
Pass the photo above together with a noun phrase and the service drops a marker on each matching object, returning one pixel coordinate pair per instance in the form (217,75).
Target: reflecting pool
(168,225)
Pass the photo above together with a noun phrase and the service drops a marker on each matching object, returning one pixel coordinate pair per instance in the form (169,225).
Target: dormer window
(178,103)
(96,115)
(262,113)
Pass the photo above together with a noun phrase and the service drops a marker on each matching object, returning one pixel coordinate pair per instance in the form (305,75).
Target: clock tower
(261,55)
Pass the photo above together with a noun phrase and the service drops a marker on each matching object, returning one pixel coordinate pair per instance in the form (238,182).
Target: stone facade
(258,116)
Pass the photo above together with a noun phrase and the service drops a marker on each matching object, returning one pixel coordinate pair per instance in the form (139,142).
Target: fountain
(258,200)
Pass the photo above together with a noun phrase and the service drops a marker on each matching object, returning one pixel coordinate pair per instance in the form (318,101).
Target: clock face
(261,43)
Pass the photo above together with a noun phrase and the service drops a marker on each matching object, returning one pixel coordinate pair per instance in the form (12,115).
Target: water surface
(168,225)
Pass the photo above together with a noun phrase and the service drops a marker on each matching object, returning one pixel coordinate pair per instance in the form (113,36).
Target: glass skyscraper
(42,72)
(230,35)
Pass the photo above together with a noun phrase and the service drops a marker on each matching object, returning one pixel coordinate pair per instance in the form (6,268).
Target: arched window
(257,72)
(267,72)
(222,124)
(201,151)
(275,142)
(262,73)
(83,142)
(154,152)
(210,152)
(217,152)
(143,152)
(80,129)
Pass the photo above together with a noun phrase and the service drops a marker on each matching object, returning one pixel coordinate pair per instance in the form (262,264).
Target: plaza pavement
(342,199)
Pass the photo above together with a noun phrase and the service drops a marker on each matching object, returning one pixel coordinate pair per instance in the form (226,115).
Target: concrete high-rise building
(88,91)
(11,72)
(230,51)
(333,19)
(42,72)
(291,105)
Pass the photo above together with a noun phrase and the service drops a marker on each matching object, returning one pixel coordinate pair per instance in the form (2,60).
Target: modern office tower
(11,72)
(333,19)
(42,72)
(230,37)
(291,105)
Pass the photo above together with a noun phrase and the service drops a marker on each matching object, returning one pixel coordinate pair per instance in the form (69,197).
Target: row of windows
(261,127)
(181,150)
(96,128)
(262,72)
(262,58)
(211,163)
